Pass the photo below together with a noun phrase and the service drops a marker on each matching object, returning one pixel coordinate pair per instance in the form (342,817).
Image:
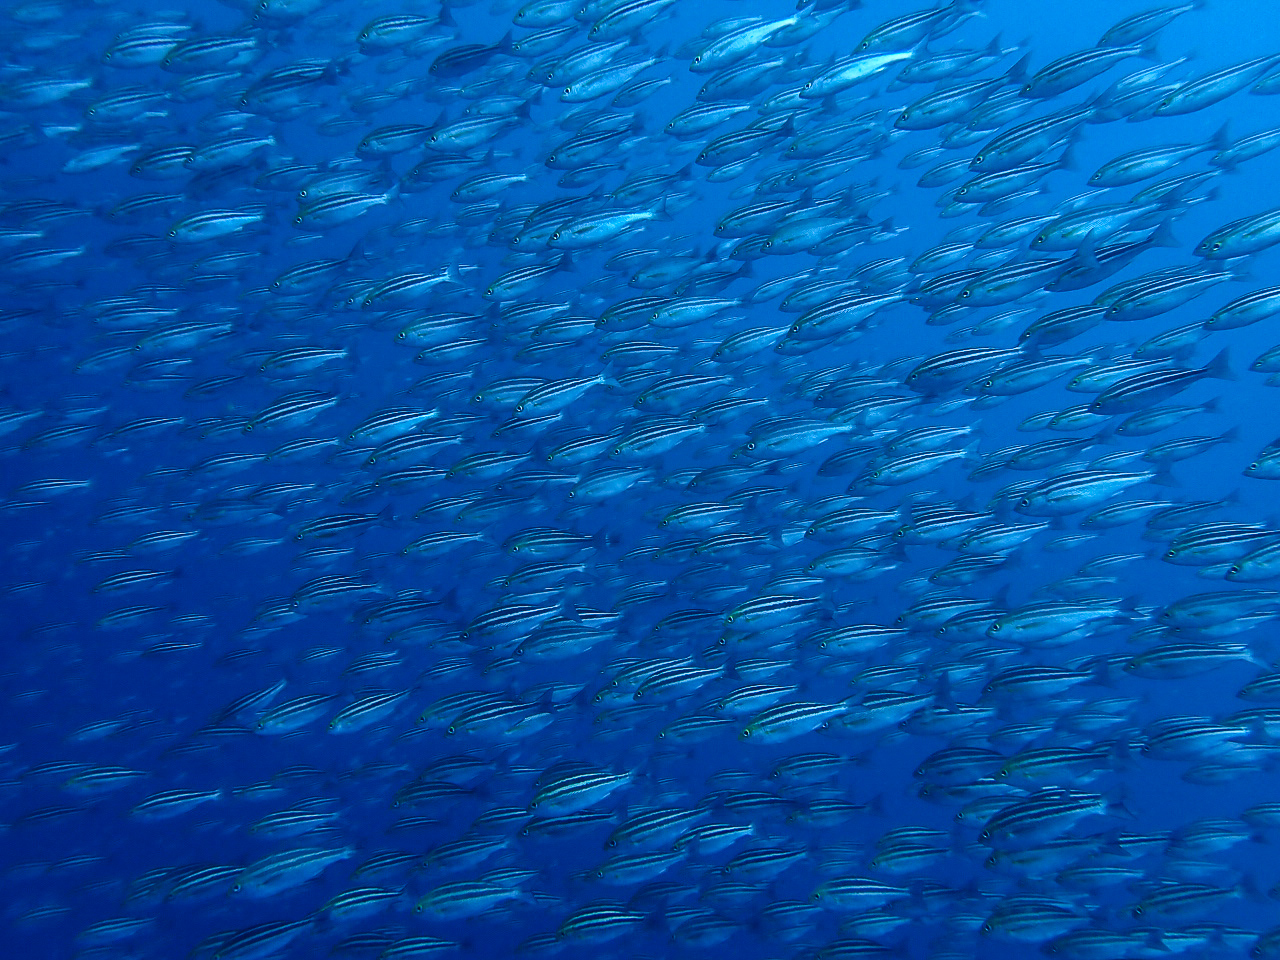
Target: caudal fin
(1219,368)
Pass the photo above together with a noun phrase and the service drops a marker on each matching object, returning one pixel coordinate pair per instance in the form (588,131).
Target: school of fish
(628,478)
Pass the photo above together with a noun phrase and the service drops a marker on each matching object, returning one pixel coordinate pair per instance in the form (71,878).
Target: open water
(639,479)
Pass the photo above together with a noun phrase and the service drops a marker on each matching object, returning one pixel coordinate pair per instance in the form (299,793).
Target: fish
(1241,237)
(628,477)
(1067,73)
(1211,88)
(1145,389)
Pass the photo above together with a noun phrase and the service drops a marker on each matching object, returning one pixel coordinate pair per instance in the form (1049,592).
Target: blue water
(132,444)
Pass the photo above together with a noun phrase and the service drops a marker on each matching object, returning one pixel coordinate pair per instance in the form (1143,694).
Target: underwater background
(640,479)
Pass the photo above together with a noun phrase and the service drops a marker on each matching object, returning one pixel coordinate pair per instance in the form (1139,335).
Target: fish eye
(568,90)
(979,158)
(1216,247)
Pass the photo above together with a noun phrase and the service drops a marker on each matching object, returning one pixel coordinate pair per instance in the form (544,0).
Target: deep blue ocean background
(116,425)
